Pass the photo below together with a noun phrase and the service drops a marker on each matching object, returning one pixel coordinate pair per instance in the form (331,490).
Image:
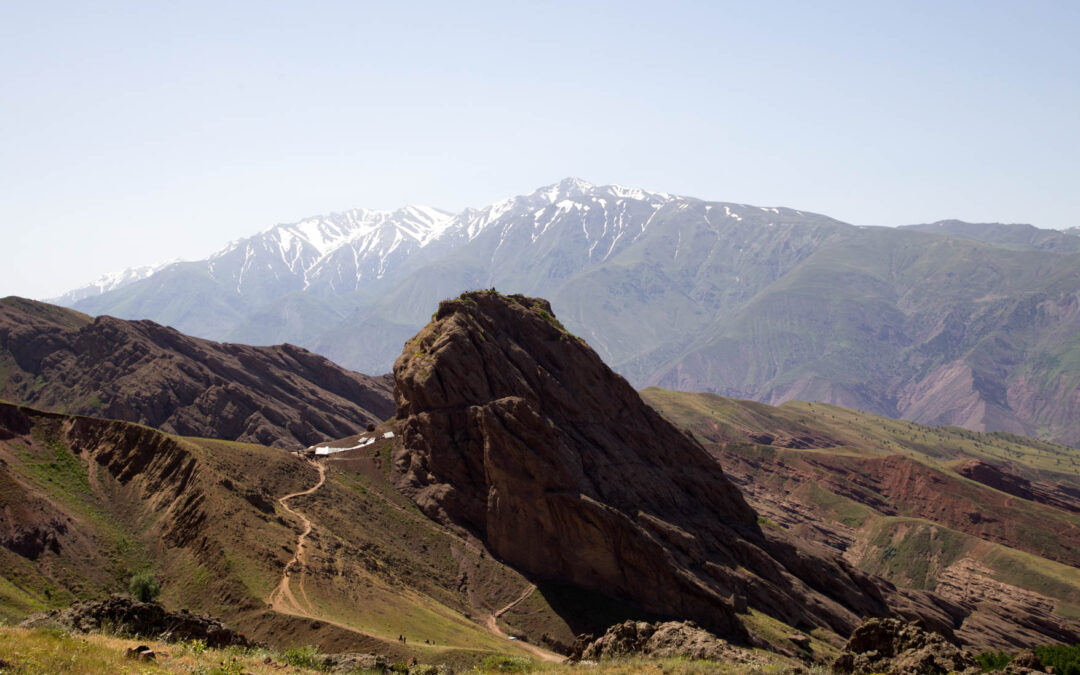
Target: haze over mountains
(947,323)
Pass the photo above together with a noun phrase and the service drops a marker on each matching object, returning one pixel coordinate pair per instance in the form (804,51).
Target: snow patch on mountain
(109,282)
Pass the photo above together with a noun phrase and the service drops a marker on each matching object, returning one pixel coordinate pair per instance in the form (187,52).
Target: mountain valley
(519,487)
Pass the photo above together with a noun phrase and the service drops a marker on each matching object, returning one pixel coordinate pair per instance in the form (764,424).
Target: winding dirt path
(282,598)
(492,624)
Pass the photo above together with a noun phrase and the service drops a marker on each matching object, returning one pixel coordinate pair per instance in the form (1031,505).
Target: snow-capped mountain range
(294,282)
(344,252)
(106,283)
(328,255)
(756,302)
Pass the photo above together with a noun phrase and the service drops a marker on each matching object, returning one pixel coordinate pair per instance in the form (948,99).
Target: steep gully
(282,599)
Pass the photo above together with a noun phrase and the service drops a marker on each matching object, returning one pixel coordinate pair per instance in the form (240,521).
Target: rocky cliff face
(1059,495)
(516,431)
(139,371)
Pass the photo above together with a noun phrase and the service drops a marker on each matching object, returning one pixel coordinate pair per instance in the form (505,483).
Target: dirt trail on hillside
(282,598)
(492,624)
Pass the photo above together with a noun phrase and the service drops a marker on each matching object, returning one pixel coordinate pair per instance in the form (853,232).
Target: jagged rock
(800,641)
(30,541)
(141,653)
(896,647)
(671,639)
(1027,659)
(516,431)
(1025,662)
(125,615)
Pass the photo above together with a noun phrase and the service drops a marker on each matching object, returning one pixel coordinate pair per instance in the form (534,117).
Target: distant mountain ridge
(1014,235)
(945,323)
(106,283)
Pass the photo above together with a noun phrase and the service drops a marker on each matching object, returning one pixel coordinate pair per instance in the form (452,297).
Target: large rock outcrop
(898,648)
(670,639)
(125,615)
(516,431)
(138,371)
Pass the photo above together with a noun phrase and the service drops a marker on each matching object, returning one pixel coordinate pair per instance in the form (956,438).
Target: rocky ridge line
(138,371)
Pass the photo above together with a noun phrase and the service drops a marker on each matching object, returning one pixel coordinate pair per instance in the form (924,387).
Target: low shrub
(303,657)
(145,587)
(1065,659)
(992,660)
(505,664)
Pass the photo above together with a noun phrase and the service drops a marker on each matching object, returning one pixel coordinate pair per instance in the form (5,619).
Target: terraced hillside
(992,518)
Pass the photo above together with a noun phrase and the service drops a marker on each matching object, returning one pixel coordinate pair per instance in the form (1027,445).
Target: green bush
(1065,659)
(992,660)
(195,646)
(145,587)
(303,657)
(228,667)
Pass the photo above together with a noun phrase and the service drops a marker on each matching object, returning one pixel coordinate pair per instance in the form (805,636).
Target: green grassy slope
(85,504)
(888,493)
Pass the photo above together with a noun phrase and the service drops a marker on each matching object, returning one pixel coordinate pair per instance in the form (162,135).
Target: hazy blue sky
(132,133)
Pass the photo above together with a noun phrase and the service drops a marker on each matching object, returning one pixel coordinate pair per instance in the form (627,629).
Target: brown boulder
(800,641)
(1027,659)
(671,639)
(141,653)
(896,647)
(126,616)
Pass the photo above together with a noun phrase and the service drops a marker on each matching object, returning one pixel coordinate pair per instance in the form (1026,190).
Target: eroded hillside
(87,503)
(139,371)
(984,518)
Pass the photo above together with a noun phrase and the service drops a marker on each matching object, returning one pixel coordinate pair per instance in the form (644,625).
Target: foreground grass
(47,651)
(41,651)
